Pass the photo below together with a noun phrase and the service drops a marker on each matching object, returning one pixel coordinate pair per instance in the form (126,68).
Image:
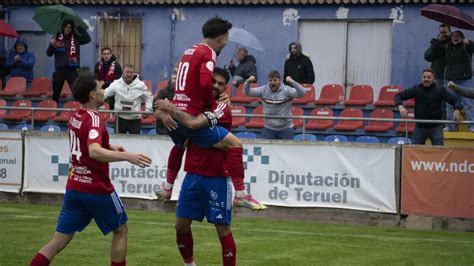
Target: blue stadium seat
(399,140)
(50,128)
(308,137)
(3,126)
(152,132)
(246,135)
(111,130)
(23,127)
(367,139)
(336,138)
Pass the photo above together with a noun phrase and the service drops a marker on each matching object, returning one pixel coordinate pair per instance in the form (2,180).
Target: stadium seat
(330,94)
(14,86)
(367,139)
(387,94)
(399,140)
(240,96)
(308,97)
(320,124)
(39,87)
(111,130)
(65,115)
(238,120)
(297,111)
(246,135)
(349,125)
(105,115)
(402,127)
(308,137)
(256,122)
(3,112)
(152,132)
(161,85)
(43,116)
(336,138)
(65,92)
(148,84)
(360,95)
(380,126)
(409,102)
(19,114)
(3,126)
(147,119)
(23,127)
(50,128)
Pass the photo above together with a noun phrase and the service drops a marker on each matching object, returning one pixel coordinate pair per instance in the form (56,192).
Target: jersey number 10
(183,69)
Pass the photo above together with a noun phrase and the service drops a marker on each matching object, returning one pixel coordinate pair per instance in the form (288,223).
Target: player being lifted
(89,192)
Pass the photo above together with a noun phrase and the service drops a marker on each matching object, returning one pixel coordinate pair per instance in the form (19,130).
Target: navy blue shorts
(80,208)
(203,137)
(205,196)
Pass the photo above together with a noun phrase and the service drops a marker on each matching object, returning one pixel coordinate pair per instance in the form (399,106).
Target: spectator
(298,66)
(465,92)
(276,98)
(130,93)
(435,56)
(166,93)
(458,56)
(67,54)
(21,61)
(4,70)
(429,97)
(246,68)
(108,70)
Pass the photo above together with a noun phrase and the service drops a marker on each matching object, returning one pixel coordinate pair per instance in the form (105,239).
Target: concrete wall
(272,25)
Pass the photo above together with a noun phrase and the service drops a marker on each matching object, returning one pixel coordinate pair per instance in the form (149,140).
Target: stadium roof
(228,2)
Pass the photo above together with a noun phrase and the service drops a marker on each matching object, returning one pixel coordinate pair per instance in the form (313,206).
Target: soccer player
(89,192)
(234,155)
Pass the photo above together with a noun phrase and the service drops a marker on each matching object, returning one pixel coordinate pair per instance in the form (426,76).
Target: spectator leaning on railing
(130,92)
(429,98)
(276,99)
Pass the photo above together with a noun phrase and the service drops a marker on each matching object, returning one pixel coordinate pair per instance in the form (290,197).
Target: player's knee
(60,241)
(182,228)
(223,230)
(121,231)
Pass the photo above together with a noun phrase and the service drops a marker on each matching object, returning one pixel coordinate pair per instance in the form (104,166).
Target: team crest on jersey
(210,66)
(213,195)
(93,134)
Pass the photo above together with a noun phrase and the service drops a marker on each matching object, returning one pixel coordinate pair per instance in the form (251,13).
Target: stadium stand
(399,140)
(336,138)
(14,86)
(308,137)
(360,95)
(19,114)
(308,97)
(39,87)
(330,94)
(240,96)
(402,127)
(295,110)
(349,125)
(23,127)
(387,94)
(246,135)
(238,120)
(50,128)
(256,122)
(379,126)
(43,116)
(320,124)
(65,115)
(367,139)
(65,92)
(3,126)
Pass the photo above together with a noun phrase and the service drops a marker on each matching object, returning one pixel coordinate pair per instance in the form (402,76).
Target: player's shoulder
(93,116)
(206,50)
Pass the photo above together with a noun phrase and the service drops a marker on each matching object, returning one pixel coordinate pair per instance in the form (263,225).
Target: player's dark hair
(215,27)
(223,73)
(83,86)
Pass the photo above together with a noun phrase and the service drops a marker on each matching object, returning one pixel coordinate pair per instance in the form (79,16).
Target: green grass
(25,228)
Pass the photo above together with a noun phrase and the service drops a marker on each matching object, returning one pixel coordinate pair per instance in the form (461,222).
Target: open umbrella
(51,18)
(449,15)
(243,37)
(7,30)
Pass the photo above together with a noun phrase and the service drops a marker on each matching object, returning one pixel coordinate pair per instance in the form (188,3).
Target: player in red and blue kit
(89,191)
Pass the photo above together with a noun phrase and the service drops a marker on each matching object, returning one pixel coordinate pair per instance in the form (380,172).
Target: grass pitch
(25,228)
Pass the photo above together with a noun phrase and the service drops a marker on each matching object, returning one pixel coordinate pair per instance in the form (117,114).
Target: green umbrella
(51,18)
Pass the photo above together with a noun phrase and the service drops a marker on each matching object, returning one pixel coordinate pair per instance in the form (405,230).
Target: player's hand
(139,159)
(167,120)
(117,148)
(465,41)
(224,98)
(17,58)
(164,105)
(289,79)
(251,79)
(457,116)
(165,194)
(403,111)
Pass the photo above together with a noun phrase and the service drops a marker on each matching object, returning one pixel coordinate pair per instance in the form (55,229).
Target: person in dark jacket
(67,53)
(166,93)
(298,66)
(247,67)
(21,61)
(435,56)
(4,70)
(429,98)
(108,70)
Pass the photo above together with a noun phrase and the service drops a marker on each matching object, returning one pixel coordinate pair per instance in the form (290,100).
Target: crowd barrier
(355,176)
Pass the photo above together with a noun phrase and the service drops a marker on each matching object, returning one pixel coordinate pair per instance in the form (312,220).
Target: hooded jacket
(435,55)
(102,75)
(24,67)
(299,66)
(129,97)
(246,68)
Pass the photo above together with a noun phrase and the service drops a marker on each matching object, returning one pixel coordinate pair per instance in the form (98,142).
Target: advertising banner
(10,161)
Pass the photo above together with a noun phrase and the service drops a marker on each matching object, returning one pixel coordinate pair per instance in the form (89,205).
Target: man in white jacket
(130,93)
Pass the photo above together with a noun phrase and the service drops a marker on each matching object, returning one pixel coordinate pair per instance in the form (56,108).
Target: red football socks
(229,250)
(185,246)
(113,263)
(39,260)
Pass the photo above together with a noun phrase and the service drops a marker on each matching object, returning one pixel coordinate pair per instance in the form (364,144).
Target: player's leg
(184,240)
(46,254)
(175,159)
(118,250)
(229,249)
(230,141)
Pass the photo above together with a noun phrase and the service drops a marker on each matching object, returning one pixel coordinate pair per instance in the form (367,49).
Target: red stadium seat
(148,119)
(43,116)
(308,97)
(148,84)
(349,125)
(320,124)
(3,112)
(15,85)
(19,114)
(65,115)
(410,102)
(39,86)
(360,95)
(256,122)
(238,120)
(330,94)
(402,128)
(161,85)
(297,111)
(387,94)
(105,116)
(379,126)
(65,92)
(240,96)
